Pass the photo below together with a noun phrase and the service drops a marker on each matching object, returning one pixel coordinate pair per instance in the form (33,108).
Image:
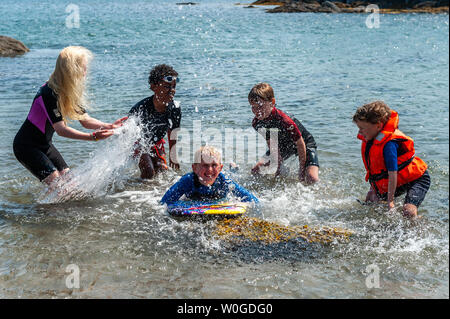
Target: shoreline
(320,6)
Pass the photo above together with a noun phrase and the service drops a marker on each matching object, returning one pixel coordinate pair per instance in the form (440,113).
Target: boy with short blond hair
(293,138)
(206,181)
(389,158)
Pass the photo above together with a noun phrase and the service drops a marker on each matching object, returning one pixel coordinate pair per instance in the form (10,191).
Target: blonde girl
(59,100)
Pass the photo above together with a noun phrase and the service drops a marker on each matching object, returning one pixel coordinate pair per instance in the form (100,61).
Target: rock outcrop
(357,6)
(10,47)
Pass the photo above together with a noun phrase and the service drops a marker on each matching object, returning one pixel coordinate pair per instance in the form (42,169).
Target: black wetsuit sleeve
(307,137)
(175,118)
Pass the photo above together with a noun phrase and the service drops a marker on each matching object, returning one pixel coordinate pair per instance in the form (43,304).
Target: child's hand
(102,134)
(174,165)
(255,169)
(391,205)
(119,122)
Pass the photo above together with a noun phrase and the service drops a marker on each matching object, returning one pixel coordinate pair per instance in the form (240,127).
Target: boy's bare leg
(372,196)
(146,166)
(51,178)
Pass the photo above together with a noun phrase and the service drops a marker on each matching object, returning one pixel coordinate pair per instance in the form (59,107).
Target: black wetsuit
(33,142)
(289,130)
(153,123)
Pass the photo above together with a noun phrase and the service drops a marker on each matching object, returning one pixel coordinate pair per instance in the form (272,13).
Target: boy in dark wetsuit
(158,115)
(206,181)
(292,137)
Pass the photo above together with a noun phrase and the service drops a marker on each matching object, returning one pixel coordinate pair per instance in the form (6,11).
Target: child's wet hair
(159,72)
(261,90)
(207,154)
(374,112)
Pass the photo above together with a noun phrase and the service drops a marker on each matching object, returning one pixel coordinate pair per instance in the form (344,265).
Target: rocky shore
(10,47)
(356,6)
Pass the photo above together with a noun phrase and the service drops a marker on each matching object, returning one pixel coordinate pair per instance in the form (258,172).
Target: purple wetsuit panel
(38,114)
(38,127)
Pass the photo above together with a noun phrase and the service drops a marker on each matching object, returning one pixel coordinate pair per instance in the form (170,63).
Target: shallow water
(322,66)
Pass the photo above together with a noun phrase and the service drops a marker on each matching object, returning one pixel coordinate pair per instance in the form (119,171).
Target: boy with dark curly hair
(158,114)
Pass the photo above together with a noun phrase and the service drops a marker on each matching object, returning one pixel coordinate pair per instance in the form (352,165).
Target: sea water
(321,66)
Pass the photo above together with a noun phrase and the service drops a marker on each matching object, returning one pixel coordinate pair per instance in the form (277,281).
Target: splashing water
(105,170)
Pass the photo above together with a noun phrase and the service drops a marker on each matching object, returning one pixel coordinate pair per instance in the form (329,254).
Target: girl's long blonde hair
(68,81)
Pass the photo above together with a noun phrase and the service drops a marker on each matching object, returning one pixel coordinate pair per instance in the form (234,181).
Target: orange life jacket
(410,167)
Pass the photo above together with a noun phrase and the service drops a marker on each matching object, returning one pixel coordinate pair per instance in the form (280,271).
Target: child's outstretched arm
(301,150)
(243,193)
(272,159)
(390,154)
(392,186)
(263,161)
(177,190)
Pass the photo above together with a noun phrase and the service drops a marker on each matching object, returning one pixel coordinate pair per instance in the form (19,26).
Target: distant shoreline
(321,6)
